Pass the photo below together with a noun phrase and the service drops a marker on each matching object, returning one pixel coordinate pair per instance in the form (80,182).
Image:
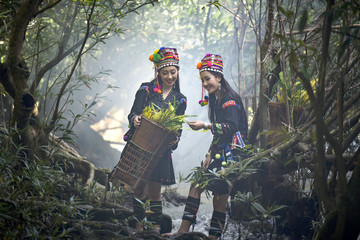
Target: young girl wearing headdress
(164,88)
(229,126)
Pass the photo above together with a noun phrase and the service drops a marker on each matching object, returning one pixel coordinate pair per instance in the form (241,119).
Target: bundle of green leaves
(165,117)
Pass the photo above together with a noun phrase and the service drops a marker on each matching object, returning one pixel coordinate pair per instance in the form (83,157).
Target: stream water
(203,216)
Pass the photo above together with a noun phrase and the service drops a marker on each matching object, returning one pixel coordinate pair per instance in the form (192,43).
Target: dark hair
(225,88)
(177,84)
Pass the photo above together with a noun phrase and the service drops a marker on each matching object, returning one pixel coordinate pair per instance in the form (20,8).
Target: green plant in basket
(165,117)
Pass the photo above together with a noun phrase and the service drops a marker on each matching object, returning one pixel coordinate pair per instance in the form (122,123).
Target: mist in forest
(126,58)
(127,73)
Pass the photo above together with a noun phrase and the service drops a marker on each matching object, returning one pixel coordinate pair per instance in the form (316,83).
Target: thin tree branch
(206,27)
(61,92)
(60,54)
(318,28)
(48,6)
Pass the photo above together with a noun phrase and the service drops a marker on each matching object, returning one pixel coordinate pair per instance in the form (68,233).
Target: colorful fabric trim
(230,103)
(220,129)
(182,100)
(146,88)
(237,141)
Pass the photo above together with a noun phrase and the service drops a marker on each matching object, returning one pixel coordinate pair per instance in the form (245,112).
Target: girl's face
(209,81)
(169,76)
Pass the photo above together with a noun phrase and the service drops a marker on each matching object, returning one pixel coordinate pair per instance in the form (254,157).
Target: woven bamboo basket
(141,155)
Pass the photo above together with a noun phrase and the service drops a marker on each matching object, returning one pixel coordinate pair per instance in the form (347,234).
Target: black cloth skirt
(219,186)
(164,171)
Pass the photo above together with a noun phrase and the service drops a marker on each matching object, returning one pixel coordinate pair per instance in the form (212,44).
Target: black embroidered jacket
(230,118)
(145,96)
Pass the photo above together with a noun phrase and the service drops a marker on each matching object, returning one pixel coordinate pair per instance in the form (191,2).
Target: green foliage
(53,55)
(165,117)
(116,195)
(29,203)
(248,165)
(37,199)
(185,22)
(67,120)
(250,208)
(295,92)
(287,13)
(145,223)
(215,3)
(303,20)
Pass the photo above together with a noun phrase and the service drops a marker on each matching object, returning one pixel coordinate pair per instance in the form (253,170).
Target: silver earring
(219,86)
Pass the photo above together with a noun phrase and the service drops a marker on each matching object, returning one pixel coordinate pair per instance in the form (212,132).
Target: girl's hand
(137,121)
(196,125)
(174,141)
(207,161)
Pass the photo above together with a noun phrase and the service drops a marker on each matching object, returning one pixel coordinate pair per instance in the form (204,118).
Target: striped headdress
(211,62)
(165,57)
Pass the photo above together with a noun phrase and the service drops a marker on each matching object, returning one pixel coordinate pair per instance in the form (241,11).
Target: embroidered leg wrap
(191,208)
(217,224)
(139,209)
(156,215)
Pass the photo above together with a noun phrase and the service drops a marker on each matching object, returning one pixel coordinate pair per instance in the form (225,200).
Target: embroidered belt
(237,141)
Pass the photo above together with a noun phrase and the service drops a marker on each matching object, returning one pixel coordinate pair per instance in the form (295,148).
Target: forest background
(71,68)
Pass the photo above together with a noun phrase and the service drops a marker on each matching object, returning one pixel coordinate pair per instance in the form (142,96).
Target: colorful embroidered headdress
(163,57)
(211,62)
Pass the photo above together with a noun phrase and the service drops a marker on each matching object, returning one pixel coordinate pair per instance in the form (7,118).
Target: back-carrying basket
(141,155)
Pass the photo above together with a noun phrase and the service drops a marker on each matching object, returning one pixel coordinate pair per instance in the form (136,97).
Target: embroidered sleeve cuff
(220,129)
(217,129)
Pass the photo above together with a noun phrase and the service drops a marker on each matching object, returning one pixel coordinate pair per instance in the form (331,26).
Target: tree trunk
(350,205)
(264,85)
(17,76)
